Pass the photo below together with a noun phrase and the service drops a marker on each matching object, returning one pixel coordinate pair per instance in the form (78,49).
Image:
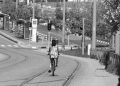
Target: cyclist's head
(54,42)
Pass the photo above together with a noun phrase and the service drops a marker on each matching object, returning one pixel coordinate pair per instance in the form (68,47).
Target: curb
(8,37)
(20,43)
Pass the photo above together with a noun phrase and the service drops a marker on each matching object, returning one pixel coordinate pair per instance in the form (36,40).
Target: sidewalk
(92,73)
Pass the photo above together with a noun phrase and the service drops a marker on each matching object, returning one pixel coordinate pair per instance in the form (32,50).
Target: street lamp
(94,26)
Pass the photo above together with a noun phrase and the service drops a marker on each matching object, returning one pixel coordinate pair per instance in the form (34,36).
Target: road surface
(25,67)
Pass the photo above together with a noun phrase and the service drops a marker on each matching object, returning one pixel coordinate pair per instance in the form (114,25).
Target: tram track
(71,76)
(32,77)
(65,81)
(26,57)
(22,57)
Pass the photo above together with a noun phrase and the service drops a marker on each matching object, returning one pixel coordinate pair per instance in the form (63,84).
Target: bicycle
(53,54)
(53,65)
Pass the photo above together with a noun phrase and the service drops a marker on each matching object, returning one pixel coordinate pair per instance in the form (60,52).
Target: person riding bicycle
(53,53)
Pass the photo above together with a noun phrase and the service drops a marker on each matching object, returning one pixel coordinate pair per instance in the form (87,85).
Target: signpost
(34,30)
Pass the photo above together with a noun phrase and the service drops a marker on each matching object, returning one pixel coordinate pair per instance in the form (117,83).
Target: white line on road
(9,45)
(2,45)
(15,45)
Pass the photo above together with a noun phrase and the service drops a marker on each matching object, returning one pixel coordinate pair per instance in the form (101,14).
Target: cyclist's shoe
(49,71)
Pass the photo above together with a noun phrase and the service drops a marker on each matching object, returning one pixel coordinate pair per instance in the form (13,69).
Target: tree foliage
(74,18)
(112,15)
(9,8)
(23,12)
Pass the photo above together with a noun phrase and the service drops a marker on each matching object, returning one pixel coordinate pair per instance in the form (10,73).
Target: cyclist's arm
(49,50)
(58,50)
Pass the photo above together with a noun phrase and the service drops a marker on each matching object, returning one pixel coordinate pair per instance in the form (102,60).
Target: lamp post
(63,28)
(94,26)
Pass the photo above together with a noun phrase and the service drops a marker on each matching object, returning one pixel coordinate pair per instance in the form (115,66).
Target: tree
(23,12)
(112,15)
(57,21)
(58,12)
(8,7)
(75,15)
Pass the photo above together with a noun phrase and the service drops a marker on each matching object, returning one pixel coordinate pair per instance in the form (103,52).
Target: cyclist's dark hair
(54,42)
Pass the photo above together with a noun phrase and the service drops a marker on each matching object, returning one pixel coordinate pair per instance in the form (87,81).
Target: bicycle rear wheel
(53,67)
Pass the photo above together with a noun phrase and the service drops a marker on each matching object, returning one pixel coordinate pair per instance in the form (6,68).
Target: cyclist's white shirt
(54,52)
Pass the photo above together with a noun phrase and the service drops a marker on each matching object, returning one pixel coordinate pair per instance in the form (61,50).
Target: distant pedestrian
(107,56)
(118,72)
(118,81)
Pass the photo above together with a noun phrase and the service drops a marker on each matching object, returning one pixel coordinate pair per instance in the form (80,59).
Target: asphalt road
(21,65)
(25,67)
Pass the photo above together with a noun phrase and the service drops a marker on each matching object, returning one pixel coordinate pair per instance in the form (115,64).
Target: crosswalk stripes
(15,45)
(11,46)
(2,45)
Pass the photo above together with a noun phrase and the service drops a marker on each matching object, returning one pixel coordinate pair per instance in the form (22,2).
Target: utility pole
(83,37)
(28,2)
(16,4)
(63,38)
(46,1)
(94,26)
(33,9)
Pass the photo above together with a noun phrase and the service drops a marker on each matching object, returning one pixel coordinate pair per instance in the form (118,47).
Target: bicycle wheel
(53,67)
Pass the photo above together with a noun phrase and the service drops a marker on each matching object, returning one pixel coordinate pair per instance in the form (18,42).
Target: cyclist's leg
(53,66)
(57,61)
(50,64)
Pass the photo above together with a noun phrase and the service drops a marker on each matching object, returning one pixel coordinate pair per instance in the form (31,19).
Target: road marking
(2,45)
(15,45)
(9,45)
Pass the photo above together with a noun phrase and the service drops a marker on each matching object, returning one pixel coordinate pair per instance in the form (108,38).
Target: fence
(42,36)
(108,58)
